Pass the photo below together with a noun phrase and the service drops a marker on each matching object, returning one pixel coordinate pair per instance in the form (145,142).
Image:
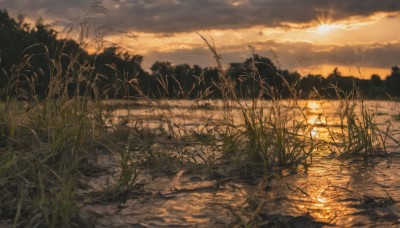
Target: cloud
(372,55)
(171,16)
(301,55)
(304,54)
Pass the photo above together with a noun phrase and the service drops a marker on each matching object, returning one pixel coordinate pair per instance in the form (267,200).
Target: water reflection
(333,191)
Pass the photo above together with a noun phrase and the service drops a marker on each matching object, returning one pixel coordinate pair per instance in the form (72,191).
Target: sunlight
(314,133)
(314,112)
(326,69)
(237,3)
(325,28)
(324,21)
(321,199)
(314,105)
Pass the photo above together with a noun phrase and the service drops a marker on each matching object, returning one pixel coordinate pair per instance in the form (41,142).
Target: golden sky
(360,37)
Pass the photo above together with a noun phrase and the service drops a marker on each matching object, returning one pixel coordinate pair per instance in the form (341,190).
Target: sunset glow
(306,38)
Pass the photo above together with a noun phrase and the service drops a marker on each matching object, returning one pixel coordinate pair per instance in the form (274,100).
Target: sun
(324,21)
(325,28)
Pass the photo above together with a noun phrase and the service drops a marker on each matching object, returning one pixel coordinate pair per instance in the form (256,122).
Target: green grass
(44,150)
(359,135)
(268,139)
(46,145)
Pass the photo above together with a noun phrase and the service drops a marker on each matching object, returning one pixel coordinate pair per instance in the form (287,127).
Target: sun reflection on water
(314,133)
(321,199)
(314,105)
(314,114)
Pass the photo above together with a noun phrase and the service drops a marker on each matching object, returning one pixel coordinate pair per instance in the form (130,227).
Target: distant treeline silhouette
(27,55)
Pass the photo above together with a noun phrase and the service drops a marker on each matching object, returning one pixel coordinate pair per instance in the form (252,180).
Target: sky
(360,37)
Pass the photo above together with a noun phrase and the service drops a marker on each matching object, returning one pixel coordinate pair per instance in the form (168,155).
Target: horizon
(358,37)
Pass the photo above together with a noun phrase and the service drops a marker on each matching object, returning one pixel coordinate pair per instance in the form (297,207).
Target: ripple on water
(339,193)
(336,192)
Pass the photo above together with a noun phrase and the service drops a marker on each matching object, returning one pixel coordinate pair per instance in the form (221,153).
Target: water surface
(330,192)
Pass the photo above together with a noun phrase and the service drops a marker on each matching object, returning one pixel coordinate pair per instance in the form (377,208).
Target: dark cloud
(301,55)
(58,9)
(169,16)
(307,54)
(374,55)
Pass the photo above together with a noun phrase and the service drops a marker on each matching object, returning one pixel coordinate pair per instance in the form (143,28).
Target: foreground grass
(47,145)
(43,153)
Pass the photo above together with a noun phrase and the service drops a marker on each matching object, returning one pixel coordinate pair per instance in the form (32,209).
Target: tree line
(32,58)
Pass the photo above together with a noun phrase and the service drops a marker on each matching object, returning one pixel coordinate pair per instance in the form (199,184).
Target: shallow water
(174,201)
(331,192)
(340,193)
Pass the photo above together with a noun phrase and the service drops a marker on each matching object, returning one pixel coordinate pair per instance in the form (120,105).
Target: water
(330,192)
(340,193)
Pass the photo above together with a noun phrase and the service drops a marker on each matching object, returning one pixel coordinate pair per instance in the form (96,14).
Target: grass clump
(40,166)
(267,138)
(358,135)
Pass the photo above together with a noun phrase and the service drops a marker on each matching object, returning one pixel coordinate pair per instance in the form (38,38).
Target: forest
(26,52)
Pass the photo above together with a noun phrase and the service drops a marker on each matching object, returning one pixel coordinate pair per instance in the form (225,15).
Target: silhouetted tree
(392,82)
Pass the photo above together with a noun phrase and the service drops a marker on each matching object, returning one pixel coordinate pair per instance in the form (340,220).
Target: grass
(45,146)
(42,157)
(359,135)
(267,138)
(266,142)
